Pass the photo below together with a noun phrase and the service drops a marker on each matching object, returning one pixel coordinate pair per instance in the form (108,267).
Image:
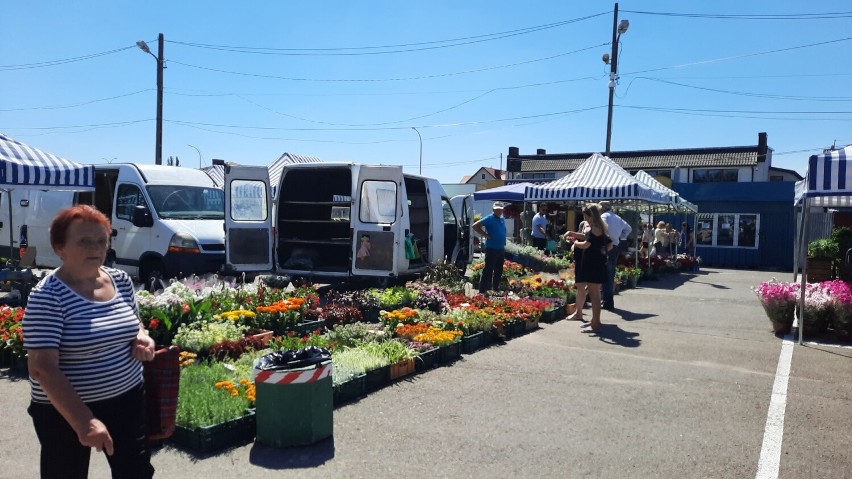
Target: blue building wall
(773,201)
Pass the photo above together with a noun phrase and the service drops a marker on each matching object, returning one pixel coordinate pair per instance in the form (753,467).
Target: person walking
(618,231)
(493,227)
(86,345)
(539,228)
(590,271)
(686,239)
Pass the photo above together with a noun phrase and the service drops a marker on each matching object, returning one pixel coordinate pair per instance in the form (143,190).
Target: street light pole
(421,149)
(617,30)
(200,161)
(158,159)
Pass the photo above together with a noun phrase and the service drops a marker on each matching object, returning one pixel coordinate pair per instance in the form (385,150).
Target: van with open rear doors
(339,221)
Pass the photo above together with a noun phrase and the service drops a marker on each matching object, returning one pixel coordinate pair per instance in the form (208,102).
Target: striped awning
(678,203)
(828,181)
(277,166)
(598,178)
(25,167)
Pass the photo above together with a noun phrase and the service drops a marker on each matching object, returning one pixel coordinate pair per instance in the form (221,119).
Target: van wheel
(384,282)
(152,273)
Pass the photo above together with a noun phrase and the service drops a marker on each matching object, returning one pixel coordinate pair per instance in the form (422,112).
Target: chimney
(762,147)
(514,152)
(540,151)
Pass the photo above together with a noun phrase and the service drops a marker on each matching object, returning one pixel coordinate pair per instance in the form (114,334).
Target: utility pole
(617,29)
(160,65)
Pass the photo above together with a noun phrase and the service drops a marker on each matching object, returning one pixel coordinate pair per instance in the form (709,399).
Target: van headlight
(183,243)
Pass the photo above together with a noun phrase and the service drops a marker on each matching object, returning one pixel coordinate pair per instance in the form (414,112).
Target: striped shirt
(93,337)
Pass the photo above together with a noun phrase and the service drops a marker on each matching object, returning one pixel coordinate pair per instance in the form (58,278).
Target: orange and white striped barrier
(293,377)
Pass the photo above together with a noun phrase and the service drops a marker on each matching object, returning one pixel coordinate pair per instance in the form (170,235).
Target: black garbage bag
(293,359)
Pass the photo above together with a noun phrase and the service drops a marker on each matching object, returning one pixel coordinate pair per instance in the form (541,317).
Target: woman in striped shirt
(85,344)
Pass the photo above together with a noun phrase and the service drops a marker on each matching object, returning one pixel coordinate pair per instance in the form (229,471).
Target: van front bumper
(179,265)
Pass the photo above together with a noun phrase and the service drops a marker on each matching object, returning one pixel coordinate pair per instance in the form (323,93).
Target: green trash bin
(294,400)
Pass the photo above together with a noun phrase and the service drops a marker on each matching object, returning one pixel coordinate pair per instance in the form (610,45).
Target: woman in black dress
(590,269)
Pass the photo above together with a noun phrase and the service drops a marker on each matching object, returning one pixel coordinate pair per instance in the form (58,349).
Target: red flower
(154,323)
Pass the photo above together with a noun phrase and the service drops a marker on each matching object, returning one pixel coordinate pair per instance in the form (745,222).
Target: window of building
(538,176)
(776,178)
(656,173)
(483,176)
(715,175)
(738,230)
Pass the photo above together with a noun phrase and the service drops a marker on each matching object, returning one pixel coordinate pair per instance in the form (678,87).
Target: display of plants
(199,337)
(825,248)
(394,297)
(778,299)
(473,320)
(439,337)
(350,335)
(394,351)
(293,341)
(280,316)
(542,286)
(335,314)
(202,403)
(359,359)
(444,275)
(403,315)
(818,306)
(431,299)
(11,334)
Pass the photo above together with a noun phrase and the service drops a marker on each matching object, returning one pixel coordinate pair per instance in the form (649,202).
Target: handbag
(162,382)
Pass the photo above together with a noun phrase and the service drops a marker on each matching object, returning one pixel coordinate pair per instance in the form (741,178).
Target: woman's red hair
(62,221)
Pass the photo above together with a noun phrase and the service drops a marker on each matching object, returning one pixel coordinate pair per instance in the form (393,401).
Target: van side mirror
(142,217)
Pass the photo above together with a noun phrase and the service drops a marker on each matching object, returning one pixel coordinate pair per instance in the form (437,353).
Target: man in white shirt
(539,228)
(618,231)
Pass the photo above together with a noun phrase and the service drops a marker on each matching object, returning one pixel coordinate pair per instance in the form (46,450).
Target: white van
(167,221)
(340,221)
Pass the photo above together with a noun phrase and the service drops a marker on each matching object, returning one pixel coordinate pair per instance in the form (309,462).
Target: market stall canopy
(598,178)
(513,192)
(678,203)
(25,167)
(217,172)
(828,181)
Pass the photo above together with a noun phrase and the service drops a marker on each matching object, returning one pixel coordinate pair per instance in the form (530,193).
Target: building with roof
(745,216)
(486,178)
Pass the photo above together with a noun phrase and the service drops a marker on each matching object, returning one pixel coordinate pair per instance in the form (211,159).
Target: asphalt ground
(678,384)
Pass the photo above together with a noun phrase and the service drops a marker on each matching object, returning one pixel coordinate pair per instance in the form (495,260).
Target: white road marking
(773,433)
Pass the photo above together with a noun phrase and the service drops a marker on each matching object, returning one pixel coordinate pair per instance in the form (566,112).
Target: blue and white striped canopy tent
(828,181)
(513,192)
(25,167)
(217,172)
(678,203)
(596,179)
(827,184)
(28,168)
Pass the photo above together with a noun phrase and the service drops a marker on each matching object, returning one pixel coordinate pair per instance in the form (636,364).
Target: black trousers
(62,455)
(492,273)
(540,243)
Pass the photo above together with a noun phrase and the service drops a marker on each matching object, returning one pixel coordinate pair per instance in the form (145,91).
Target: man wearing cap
(493,227)
(618,230)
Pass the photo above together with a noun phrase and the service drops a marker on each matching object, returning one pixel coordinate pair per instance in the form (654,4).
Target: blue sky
(347,81)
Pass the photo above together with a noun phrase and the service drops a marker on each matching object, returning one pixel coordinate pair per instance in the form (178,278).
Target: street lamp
(158,159)
(200,162)
(617,30)
(421,149)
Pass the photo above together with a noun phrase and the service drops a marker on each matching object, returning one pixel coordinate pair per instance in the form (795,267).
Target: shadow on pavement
(631,315)
(292,457)
(612,334)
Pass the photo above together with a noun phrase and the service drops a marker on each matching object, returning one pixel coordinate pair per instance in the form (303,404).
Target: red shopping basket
(162,380)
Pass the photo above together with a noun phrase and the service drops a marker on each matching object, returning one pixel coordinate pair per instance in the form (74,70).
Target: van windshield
(188,202)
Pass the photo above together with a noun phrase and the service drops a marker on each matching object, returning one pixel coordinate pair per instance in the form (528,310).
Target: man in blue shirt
(539,228)
(493,227)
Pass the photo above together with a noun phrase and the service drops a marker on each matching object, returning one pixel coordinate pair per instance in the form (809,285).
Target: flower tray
(402,369)
(449,353)
(377,378)
(307,327)
(474,342)
(263,337)
(218,436)
(426,360)
(350,390)
(370,315)
(531,324)
(515,329)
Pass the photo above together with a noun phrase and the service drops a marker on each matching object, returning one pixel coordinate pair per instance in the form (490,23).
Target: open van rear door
(463,208)
(248,219)
(376,212)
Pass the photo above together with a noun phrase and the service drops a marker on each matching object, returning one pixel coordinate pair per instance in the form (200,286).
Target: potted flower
(818,308)
(841,321)
(821,256)
(779,301)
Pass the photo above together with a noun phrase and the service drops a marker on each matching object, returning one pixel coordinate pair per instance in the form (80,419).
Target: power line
(420,46)
(752,94)
(50,63)
(423,77)
(74,105)
(765,16)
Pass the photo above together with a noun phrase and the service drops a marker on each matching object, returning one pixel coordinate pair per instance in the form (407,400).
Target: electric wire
(50,63)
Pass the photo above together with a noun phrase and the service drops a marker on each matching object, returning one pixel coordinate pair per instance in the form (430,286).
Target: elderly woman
(661,239)
(85,345)
(590,272)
